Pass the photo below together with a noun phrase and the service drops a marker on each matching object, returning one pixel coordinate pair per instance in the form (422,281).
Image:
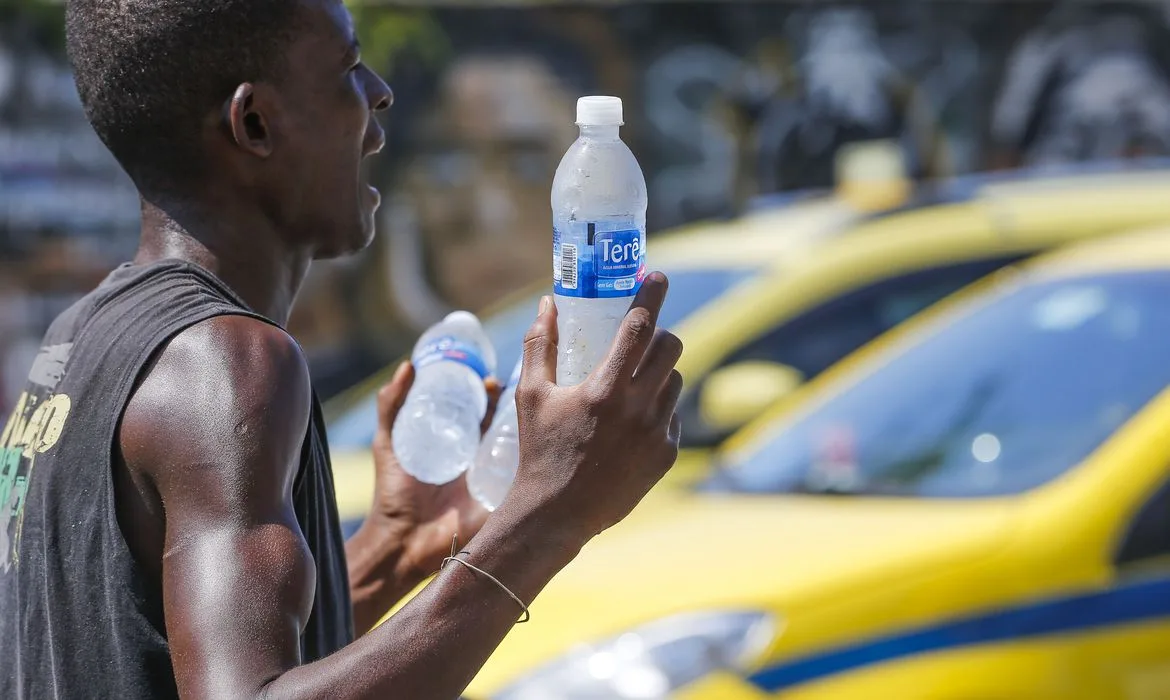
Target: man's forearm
(434,646)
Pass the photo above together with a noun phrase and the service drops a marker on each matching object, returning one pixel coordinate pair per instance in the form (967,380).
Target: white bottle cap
(599,110)
(464,319)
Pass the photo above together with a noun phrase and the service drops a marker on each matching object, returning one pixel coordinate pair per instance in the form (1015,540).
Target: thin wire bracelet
(455,557)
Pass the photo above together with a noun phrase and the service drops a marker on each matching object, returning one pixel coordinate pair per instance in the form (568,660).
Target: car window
(818,338)
(689,290)
(1149,533)
(998,401)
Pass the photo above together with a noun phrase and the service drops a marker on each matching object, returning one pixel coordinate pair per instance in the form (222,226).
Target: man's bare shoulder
(230,392)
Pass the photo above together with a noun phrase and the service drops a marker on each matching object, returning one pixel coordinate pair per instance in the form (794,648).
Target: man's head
(264,100)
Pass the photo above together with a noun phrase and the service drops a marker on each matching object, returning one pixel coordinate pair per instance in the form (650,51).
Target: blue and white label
(556,258)
(592,262)
(450,349)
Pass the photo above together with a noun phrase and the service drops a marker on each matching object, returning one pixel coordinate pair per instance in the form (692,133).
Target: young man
(170,526)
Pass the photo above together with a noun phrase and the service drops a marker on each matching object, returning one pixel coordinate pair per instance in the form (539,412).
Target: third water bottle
(491,476)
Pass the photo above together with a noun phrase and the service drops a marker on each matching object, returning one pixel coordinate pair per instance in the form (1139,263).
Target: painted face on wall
(480,180)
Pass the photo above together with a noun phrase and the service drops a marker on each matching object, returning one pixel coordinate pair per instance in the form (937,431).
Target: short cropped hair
(148,71)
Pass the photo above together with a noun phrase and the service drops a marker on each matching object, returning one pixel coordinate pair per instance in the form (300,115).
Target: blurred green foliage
(43,20)
(385,32)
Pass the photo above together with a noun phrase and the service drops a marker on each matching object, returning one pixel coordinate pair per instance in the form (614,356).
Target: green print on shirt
(34,427)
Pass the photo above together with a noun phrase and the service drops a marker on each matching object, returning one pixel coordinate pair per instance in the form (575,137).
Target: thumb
(540,347)
(393,395)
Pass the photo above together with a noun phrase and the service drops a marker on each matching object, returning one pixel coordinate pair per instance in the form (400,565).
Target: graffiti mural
(732,101)
(1086,84)
(772,117)
(725,103)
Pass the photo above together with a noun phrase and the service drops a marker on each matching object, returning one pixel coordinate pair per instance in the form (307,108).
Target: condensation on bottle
(599,237)
(436,434)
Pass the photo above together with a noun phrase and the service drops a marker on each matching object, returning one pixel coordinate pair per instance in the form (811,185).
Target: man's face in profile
(482,176)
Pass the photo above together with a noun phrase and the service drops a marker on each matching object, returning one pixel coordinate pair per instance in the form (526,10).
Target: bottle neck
(594,131)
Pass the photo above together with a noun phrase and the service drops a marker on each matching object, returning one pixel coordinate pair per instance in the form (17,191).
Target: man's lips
(375,139)
(374,142)
(374,194)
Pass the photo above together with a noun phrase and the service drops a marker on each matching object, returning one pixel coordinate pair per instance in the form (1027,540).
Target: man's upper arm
(217,426)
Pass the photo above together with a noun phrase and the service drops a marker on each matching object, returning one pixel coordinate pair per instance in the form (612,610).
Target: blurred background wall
(726,103)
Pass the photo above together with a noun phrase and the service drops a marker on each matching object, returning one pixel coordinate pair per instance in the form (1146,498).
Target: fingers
(658,363)
(674,432)
(470,514)
(637,329)
(473,518)
(393,395)
(540,347)
(493,389)
(668,398)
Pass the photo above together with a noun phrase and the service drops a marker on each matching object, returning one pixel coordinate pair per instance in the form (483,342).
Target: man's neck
(245,252)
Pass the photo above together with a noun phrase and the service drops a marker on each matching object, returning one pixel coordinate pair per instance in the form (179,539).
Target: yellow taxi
(768,301)
(975,506)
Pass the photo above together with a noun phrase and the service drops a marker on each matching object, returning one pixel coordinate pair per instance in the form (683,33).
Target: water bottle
(599,237)
(491,476)
(437,431)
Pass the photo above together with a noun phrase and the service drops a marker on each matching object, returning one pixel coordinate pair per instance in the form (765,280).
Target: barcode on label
(568,266)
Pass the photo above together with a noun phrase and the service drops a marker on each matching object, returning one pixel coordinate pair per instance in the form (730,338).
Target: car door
(1132,657)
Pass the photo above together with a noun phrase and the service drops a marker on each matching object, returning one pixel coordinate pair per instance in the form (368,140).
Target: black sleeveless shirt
(77,617)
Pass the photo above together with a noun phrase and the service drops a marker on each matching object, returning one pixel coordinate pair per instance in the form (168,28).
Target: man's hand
(410,526)
(589,453)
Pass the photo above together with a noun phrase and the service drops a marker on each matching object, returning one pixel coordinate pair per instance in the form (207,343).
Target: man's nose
(381,96)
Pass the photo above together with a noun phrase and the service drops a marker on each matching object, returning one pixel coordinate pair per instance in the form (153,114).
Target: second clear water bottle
(436,434)
(599,237)
(491,476)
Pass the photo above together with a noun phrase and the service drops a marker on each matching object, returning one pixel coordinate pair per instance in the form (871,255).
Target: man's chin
(358,239)
(369,227)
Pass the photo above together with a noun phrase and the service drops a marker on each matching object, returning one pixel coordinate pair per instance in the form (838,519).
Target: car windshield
(689,290)
(1010,395)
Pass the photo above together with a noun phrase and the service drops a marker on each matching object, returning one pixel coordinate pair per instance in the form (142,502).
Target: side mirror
(734,395)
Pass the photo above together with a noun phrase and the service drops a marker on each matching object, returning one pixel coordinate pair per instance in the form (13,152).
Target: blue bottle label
(592,262)
(450,349)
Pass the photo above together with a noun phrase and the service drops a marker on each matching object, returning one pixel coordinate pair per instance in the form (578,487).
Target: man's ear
(246,122)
